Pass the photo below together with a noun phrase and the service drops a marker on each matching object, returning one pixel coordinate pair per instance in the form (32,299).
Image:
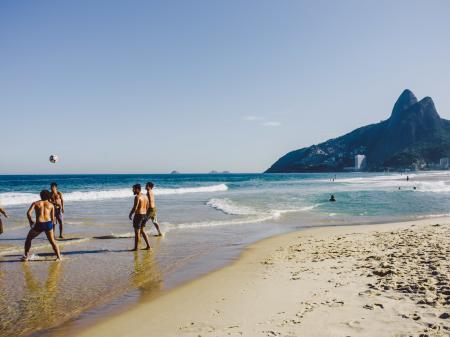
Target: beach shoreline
(277,288)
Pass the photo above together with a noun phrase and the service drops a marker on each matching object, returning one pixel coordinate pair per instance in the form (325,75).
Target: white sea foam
(435,182)
(228,206)
(9,199)
(16,249)
(250,218)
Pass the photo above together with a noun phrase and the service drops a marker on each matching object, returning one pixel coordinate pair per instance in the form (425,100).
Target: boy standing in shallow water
(151,211)
(139,210)
(45,217)
(2,211)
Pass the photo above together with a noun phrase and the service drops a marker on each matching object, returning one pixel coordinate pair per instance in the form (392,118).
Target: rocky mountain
(413,135)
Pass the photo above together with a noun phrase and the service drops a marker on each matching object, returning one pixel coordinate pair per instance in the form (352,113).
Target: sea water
(207,220)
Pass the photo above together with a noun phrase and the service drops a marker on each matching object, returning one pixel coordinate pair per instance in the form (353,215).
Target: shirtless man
(139,210)
(151,211)
(45,216)
(2,211)
(58,201)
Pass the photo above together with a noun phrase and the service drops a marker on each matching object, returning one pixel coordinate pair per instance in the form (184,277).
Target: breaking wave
(227,206)
(20,198)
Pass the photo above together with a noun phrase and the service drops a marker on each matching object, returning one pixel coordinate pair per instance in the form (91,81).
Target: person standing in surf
(151,211)
(58,201)
(2,212)
(139,210)
(45,217)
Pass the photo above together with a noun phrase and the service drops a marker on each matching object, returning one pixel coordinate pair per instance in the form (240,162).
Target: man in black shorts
(139,210)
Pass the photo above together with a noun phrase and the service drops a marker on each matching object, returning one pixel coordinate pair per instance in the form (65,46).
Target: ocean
(207,220)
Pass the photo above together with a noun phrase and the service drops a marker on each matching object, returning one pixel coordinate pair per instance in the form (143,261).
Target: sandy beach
(372,280)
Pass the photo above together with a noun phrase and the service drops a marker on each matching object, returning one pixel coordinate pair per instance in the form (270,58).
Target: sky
(155,86)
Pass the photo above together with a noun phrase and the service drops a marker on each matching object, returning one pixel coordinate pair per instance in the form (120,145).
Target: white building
(443,163)
(360,162)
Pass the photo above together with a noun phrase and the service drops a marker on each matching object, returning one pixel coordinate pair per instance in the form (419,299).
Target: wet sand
(384,280)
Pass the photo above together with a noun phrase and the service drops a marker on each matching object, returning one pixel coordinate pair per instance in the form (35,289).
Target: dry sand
(377,280)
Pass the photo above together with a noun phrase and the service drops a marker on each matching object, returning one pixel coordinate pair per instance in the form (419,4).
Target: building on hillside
(360,162)
(443,163)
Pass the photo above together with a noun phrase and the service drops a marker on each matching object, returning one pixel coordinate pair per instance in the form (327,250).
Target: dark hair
(137,187)
(149,184)
(45,195)
(53,184)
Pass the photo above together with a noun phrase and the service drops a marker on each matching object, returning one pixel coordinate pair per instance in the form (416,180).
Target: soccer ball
(53,158)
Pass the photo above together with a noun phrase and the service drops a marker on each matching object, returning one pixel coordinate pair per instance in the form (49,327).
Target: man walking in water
(45,217)
(139,210)
(2,211)
(151,211)
(58,201)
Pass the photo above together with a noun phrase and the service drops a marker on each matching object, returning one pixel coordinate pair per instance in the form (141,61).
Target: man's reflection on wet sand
(146,275)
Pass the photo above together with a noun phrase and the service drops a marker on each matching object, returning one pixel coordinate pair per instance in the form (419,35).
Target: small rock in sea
(445,315)
(368,306)
(379,305)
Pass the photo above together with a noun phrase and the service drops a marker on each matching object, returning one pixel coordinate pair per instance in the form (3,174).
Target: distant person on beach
(45,218)
(332,198)
(139,210)
(58,201)
(407,178)
(151,211)
(2,212)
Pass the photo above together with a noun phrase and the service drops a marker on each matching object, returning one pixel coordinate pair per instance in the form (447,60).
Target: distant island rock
(174,172)
(412,137)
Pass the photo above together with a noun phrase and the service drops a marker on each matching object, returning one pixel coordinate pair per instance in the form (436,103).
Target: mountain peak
(427,101)
(412,136)
(405,100)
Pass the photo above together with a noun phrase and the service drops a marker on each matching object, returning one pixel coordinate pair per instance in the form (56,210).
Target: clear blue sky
(152,86)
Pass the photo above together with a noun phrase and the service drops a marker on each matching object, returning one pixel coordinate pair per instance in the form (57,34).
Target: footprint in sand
(354,325)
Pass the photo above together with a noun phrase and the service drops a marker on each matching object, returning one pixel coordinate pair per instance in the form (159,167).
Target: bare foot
(134,250)
(24,258)
(59,259)
(61,237)
(148,248)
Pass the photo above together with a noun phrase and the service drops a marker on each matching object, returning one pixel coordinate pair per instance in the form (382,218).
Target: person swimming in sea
(2,212)
(332,198)
(139,210)
(45,218)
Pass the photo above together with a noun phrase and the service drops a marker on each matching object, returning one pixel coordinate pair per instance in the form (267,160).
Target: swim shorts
(139,221)
(43,226)
(151,213)
(58,214)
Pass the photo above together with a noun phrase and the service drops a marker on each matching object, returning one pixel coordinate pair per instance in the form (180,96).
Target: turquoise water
(207,220)
(103,197)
